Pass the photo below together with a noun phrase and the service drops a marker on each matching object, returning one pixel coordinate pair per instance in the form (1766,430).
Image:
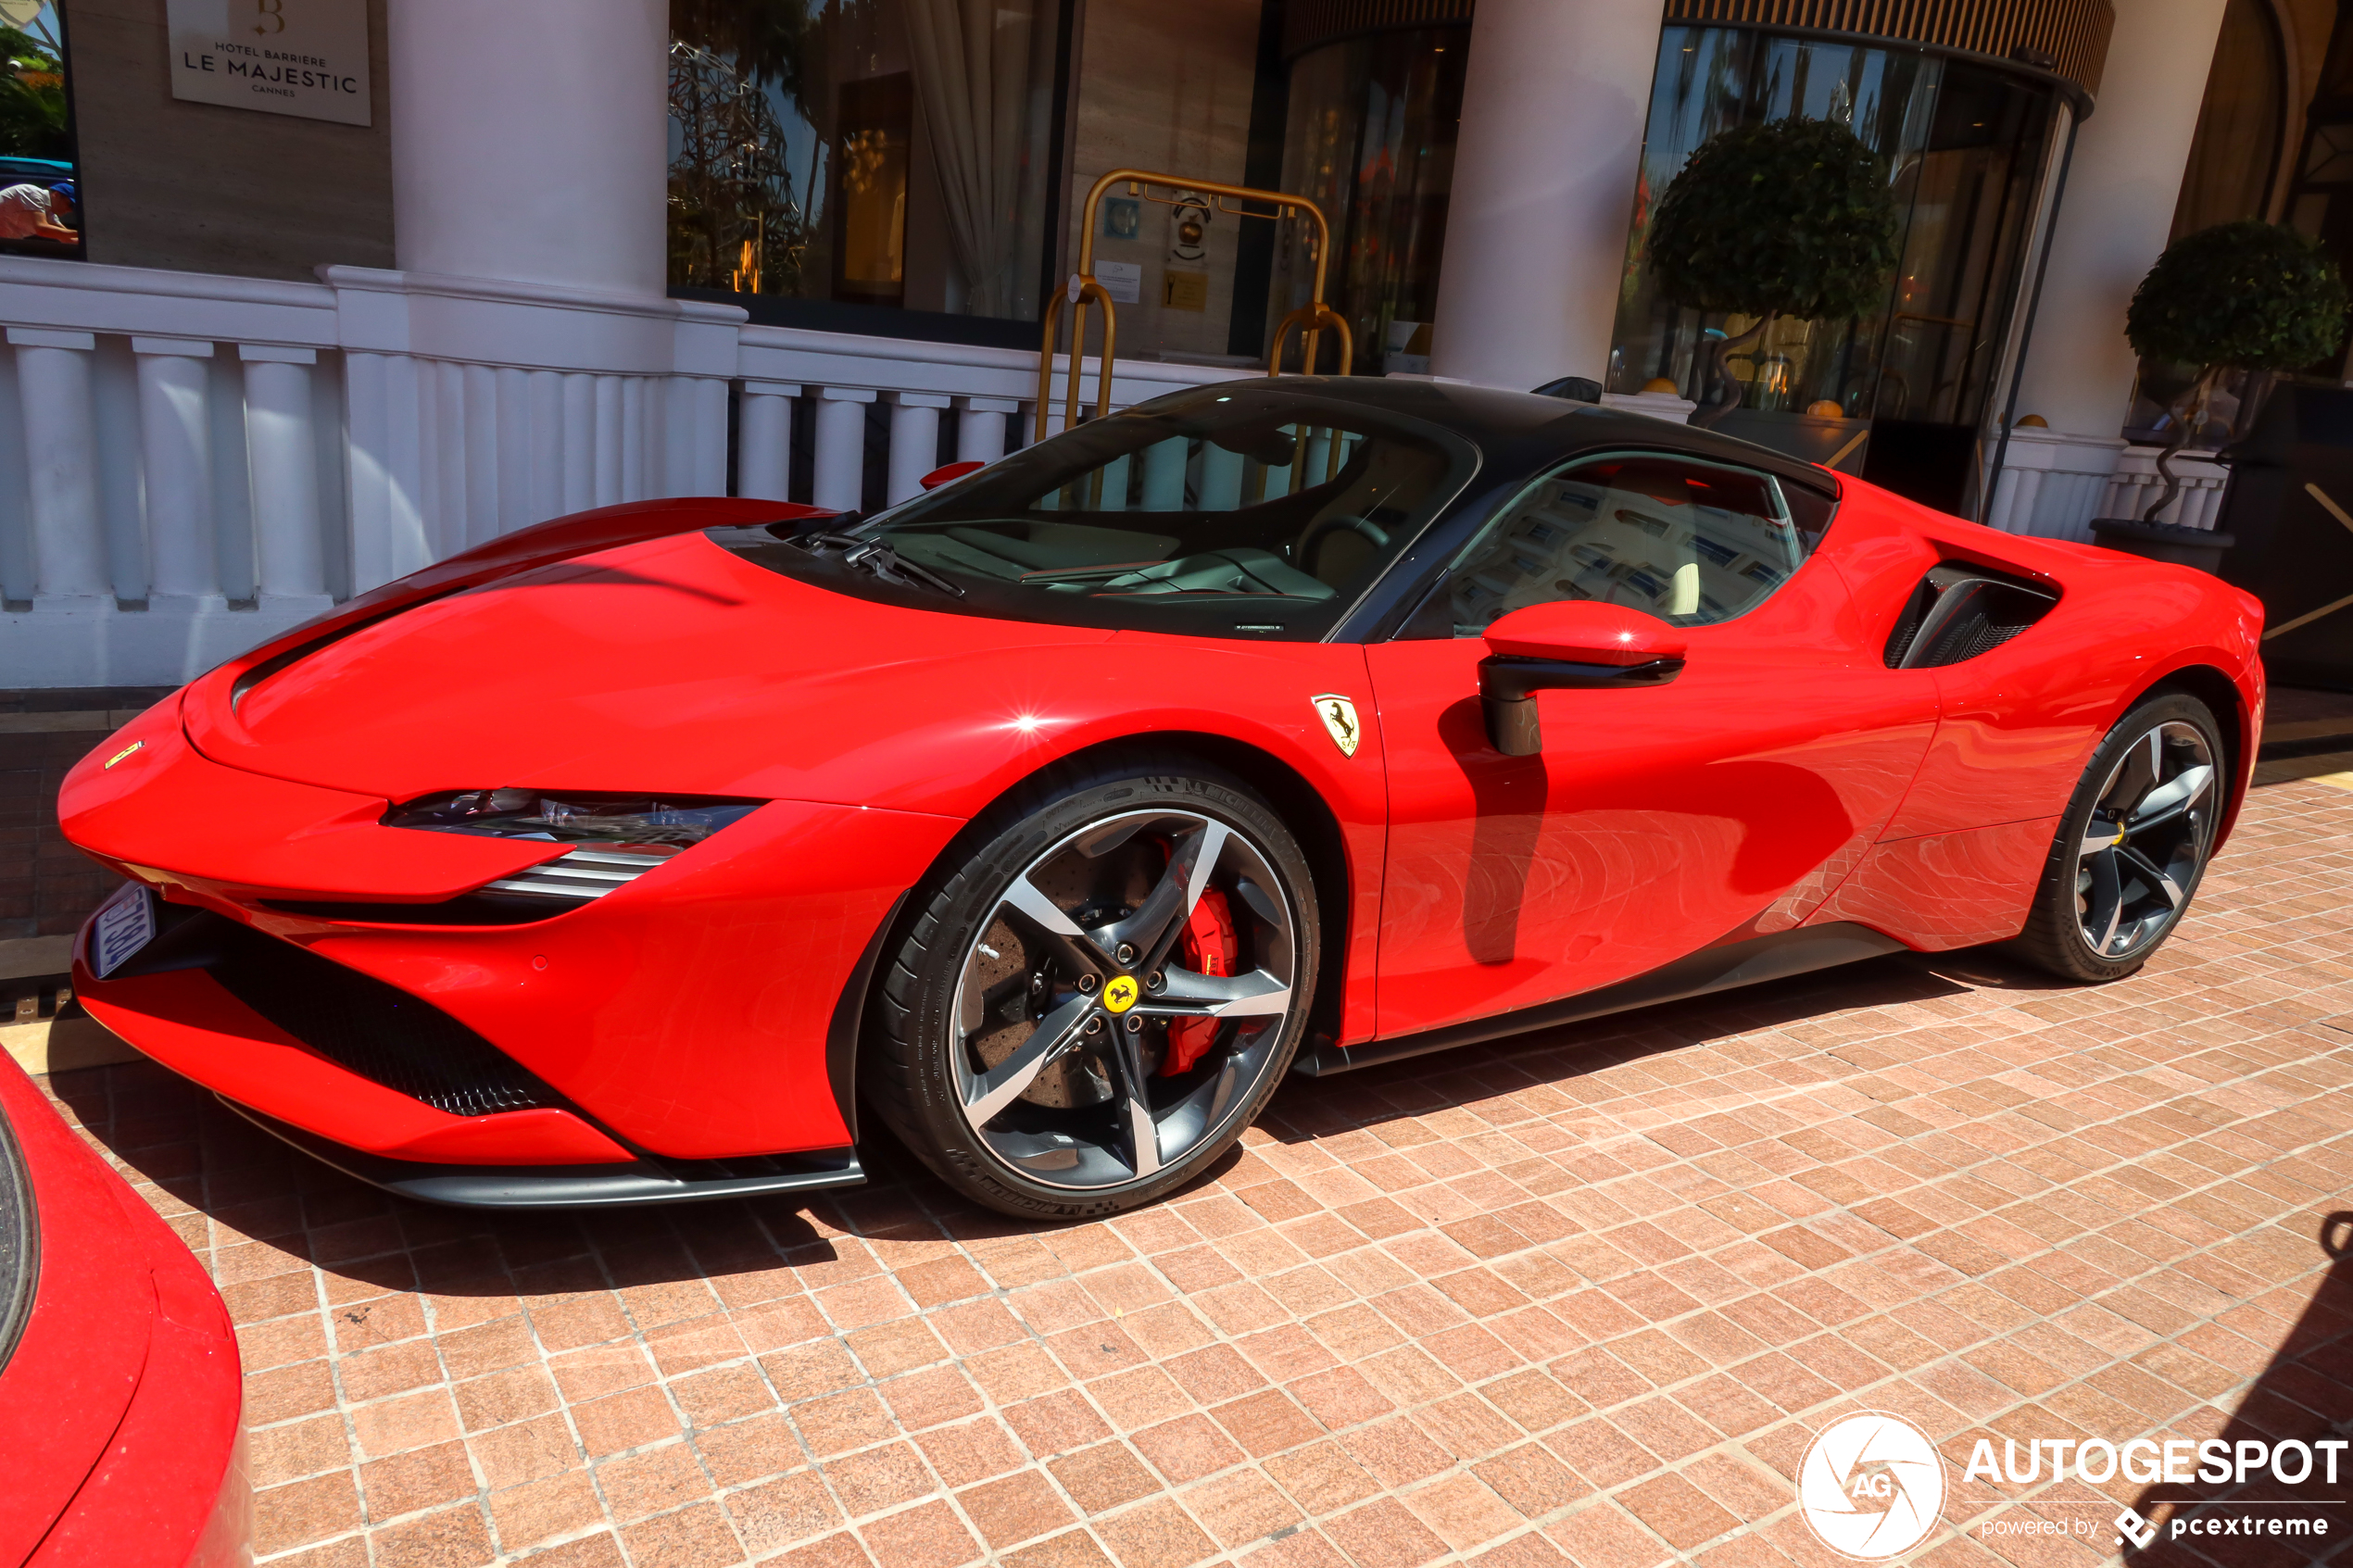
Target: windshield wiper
(873,557)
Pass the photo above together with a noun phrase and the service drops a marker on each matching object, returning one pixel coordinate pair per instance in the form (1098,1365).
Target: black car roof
(1518,431)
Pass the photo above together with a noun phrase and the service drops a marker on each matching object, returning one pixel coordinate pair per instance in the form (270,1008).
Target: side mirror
(950,474)
(1569,644)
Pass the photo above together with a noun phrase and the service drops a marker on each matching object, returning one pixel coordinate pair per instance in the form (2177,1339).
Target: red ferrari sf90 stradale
(1055,815)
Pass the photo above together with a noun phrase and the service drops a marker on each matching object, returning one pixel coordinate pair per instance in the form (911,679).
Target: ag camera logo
(1872,1487)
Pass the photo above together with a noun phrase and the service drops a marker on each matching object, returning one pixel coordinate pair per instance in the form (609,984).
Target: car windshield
(1243,511)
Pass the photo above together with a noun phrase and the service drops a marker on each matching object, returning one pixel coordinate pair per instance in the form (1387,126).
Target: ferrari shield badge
(1339,715)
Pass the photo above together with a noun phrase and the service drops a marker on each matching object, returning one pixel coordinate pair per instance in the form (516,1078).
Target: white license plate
(125,925)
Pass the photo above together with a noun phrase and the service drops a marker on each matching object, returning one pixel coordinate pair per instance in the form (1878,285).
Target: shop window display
(890,152)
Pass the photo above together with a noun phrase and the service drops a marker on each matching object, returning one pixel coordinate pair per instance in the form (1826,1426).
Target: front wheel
(1087,1011)
(2133,844)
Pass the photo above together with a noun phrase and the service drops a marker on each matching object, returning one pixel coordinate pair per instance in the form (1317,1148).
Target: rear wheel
(1087,1011)
(2133,844)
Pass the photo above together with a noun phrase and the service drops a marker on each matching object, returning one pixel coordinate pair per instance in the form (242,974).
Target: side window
(1689,542)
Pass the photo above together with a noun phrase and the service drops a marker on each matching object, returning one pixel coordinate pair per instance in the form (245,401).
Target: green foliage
(2246,295)
(32,99)
(1793,217)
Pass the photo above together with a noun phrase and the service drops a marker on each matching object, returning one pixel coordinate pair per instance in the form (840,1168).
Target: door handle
(1508,684)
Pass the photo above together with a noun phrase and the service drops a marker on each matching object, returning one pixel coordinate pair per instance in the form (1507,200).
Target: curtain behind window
(976,71)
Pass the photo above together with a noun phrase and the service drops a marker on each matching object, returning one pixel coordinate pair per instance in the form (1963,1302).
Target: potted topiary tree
(2247,295)
(1793,218)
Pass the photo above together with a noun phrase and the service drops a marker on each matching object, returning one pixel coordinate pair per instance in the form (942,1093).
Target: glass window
(1900,395)
(1372,141)
(1245,514)
(2232,161)
(1691,543)
(863,152)
(40,207)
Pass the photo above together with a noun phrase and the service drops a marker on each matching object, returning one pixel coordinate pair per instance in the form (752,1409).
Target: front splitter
(572,1187)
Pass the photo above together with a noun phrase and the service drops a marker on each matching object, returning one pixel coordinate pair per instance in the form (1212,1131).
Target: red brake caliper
(1209,947)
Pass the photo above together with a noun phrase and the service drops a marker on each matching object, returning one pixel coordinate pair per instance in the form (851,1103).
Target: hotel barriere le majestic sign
(305,57)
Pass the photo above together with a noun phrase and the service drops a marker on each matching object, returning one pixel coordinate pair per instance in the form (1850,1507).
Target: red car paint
(121,1406)
(1786,778)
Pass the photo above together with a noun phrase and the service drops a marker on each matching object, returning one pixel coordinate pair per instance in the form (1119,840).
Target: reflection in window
(2232,165)
(1899,396)
(1158,517)
(870,189)
(40,210)
(1371,140)
(868,152)
(1691,543)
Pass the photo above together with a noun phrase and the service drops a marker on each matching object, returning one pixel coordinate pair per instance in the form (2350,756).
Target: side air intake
(1958,612)
(377,1031)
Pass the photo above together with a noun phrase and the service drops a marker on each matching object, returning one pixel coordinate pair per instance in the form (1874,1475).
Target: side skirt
(573,1187)
(1711,969)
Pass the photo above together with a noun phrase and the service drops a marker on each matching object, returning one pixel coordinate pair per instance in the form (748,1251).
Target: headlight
(622,837)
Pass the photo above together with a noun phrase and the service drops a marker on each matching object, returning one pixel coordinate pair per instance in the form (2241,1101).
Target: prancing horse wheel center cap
(1120,994)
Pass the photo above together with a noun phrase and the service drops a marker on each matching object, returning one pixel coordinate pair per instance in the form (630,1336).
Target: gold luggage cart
(1310,320)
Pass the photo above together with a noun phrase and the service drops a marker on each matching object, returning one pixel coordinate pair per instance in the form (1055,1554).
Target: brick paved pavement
(1583,1295)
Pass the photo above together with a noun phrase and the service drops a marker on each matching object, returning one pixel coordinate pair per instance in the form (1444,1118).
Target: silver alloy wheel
(1067,996)
(2145,841)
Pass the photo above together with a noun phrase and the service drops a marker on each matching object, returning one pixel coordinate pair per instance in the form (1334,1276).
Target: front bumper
(692,1015)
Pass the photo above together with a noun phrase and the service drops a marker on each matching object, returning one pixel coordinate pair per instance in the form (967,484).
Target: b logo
(1120,994)
(1872,1487)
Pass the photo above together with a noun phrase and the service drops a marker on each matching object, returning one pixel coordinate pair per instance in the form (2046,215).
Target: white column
(2115,214)
(61,449)
(568,98)
(1553,102)
(281,449)
(175,444)
(915,442)
(980,427)
(763,440)
(839,480)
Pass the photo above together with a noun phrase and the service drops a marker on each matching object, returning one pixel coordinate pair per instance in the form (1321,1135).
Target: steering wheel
(1312,535)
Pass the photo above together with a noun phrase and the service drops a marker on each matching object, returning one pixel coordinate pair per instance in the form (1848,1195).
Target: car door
(1656,820)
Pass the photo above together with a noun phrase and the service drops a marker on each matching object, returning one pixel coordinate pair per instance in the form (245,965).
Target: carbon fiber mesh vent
(378,1031)
(1971,636)
(1958,612)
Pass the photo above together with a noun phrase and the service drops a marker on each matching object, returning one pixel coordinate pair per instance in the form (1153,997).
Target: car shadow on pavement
(1311,1107)
(227,1185)
(255,1209)
(2303,1397)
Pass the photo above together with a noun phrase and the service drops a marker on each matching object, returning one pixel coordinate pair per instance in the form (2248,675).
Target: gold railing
(1084,290)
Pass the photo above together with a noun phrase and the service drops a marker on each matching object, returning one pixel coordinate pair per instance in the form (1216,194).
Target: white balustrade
(763,440)
(70,567)
(839,482)
(980,427)
(175,428)
(2137,484)
(1666,406)
(2054,484)
(915,442)
(190,464)
(281,446)
(2051,484)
